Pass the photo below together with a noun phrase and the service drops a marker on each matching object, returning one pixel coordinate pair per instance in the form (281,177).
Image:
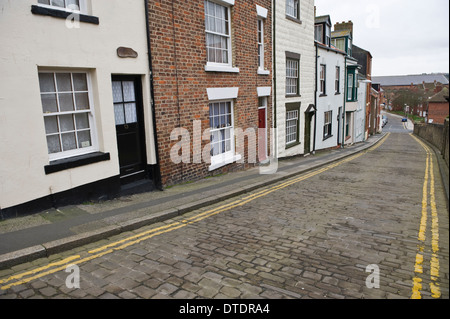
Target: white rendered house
(330,87)
(76,119)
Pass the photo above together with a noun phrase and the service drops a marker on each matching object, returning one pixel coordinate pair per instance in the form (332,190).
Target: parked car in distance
(404,119)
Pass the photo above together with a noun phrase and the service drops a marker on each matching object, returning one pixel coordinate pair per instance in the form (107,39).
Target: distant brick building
(438,107)
(212,62)
(421,85)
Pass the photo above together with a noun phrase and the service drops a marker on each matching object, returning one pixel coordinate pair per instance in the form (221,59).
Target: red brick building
(419,85)
(438,107)
(211,63)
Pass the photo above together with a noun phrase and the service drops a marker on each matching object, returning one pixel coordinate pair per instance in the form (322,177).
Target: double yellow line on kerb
(434,262)
(62,265)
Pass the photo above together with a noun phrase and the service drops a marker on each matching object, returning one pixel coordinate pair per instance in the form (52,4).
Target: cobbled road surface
(351,230)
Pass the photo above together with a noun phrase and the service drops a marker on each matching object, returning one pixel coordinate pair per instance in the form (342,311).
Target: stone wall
(436,134)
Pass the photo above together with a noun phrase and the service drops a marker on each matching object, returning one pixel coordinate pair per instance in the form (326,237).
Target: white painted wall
(332,101)
(31,42)
(360,114)
(350,109)
(297,38)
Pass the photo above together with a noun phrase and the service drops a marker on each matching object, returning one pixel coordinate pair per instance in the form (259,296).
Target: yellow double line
(434,262)
(51,268)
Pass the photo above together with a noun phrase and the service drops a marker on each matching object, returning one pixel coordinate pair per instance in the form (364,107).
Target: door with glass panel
(128,111)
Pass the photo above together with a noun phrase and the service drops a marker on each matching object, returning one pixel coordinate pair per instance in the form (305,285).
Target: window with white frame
(318,33)
(350,85)
(337,83)
(293,8)
(261,44)
(292,76)
(69,5)
(221,129)
(327,35)
(339,44)
(68,114)
(327,126)
(218,33)
(292,123)
(323,72)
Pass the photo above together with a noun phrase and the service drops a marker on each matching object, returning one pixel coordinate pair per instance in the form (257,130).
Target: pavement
(53,231)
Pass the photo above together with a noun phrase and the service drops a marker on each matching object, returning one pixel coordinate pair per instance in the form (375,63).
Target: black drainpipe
(274,14)
(315,101)
(344,115)
(274,79)
(156,170)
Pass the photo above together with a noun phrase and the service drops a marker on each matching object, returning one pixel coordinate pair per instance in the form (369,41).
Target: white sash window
(68,115)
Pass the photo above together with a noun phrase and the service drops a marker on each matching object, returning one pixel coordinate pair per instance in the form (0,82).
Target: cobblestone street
(310,237)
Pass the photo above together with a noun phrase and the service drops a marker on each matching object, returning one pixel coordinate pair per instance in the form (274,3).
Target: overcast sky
(403,36)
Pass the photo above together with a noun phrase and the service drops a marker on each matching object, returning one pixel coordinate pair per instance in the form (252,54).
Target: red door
(262,135)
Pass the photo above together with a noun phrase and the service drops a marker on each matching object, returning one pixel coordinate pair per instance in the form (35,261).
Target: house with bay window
(330,87)
(294,67)
(342,39)
(76,120)
(212,76)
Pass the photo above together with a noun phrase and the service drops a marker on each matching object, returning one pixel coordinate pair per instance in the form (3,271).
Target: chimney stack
(344,26)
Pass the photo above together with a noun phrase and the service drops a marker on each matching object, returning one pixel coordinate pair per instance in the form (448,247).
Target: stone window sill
(77,161)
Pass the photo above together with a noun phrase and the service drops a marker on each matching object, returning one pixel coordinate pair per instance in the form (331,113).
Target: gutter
(157,169)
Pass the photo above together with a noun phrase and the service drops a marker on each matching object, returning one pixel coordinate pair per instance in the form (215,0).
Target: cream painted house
(76,120)
(294,83)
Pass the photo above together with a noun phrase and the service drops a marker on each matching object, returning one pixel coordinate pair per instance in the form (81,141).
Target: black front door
(339,126)
(128,110)
(308,118)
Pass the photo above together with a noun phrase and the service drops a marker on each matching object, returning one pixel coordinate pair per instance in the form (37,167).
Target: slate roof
(405,80)
(331,47)
(338,34)
(440,97)
(361,56)
(323,19)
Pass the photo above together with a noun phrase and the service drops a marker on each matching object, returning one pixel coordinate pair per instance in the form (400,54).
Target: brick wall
(178,48)
(438,112)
